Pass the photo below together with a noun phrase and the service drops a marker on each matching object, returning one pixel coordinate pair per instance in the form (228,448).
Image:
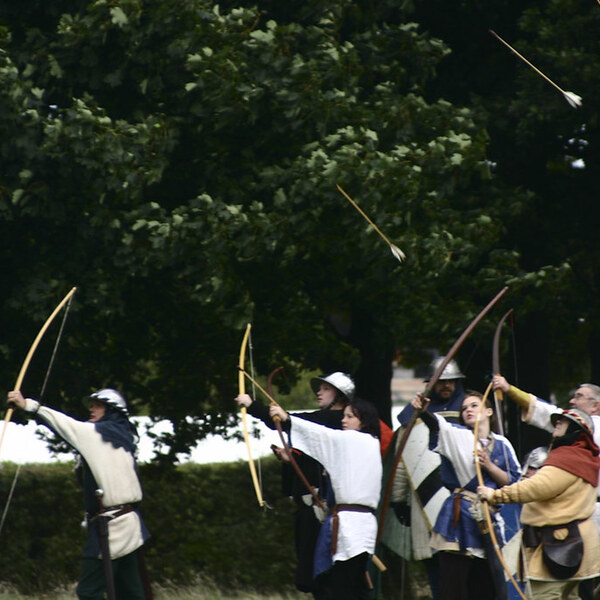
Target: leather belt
(122,509)
(335,522)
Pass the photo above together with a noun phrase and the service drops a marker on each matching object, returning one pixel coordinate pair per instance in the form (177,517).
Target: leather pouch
(562,549)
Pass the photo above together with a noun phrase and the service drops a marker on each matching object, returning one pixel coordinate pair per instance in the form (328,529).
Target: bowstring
(513,339)
(10,495)
(522,562)
(55,349)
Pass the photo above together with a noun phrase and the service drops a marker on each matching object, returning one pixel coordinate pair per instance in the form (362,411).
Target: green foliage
(541,145)
(204,520)
(43,526)
(178,162)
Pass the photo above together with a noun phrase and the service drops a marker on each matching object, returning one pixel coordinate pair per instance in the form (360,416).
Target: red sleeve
(386,436)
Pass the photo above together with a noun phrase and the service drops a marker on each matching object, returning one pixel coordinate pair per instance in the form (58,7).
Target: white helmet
(451,370)
(112,398)
(340,381)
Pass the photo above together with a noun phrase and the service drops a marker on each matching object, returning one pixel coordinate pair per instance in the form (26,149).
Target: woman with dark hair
(561,542)
(465,572)
(333,392)
(353,460)
(367,414)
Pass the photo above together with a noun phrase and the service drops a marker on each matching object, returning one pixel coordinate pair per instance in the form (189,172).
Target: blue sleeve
(406,414)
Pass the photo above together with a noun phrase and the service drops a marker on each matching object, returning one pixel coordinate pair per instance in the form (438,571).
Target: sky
(23,445)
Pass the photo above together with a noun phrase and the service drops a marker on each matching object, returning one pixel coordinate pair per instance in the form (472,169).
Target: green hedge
(204,519)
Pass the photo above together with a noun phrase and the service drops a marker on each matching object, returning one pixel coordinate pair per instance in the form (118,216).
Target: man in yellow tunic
(561,541)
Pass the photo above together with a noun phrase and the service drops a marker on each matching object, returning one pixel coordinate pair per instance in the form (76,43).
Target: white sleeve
(74,432)
(316,440)
(539,414)
(113,468)
(456,443)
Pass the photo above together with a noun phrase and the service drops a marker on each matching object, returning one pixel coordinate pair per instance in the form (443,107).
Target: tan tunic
(555,497)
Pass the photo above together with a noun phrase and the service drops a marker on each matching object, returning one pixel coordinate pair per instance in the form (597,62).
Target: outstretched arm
(523,399)
(534,410)
(256,409)
(420,404)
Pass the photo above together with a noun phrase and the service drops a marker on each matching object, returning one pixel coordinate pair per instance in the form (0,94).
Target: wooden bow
(242,390)
(498,395)
(29,356)
(288,451)
(486,507)
(415,415)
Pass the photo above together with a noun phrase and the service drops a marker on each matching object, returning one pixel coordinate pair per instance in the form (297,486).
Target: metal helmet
(577,416)
(451,370)
(535,458)
(340,381)
(112,398)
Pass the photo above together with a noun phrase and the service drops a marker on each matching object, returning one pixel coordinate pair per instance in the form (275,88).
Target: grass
(415,588)
(199,591)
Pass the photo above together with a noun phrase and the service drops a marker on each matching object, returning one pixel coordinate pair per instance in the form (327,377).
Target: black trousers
(306,531)
(128,582)
(464,578)
(348,578)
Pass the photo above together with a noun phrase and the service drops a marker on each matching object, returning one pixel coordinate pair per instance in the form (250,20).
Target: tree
(181,168)
(540,144)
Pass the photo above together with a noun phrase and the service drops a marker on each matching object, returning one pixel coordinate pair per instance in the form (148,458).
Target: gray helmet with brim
(577,416)
(451,370)
(111,398)
(340,381)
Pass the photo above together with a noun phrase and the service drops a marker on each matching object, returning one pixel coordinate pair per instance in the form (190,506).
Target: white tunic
(113,469)
(353,461)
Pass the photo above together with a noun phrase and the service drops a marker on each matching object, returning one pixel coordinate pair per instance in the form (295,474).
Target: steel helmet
(535,458)
(451,370)
(340,381)
(112,398)
(577,416)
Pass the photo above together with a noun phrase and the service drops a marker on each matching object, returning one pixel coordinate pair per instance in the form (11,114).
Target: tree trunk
(374,375)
